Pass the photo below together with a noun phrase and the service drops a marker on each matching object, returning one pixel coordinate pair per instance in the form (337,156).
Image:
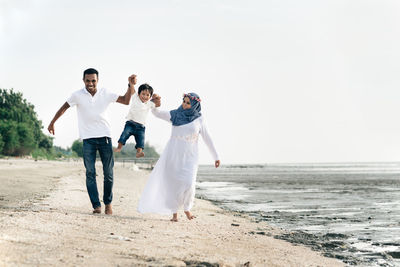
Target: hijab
(182,116)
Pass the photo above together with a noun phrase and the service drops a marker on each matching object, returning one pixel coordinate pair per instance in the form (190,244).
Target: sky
(280,81)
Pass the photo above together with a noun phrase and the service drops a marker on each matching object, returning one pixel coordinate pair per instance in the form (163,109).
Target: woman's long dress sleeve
(162,114)
(208,141)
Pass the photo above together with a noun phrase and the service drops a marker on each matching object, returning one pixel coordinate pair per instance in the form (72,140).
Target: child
(136,118)
(172,182)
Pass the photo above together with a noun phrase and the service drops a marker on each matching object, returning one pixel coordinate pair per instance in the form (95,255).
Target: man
(94,130)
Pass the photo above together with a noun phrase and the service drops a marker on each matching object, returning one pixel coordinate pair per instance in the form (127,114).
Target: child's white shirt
(138,111)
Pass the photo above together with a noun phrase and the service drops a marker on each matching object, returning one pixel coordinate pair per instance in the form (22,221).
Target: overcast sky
(280,81)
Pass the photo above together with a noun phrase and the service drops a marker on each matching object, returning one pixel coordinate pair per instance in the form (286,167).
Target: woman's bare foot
(174,217)
(189,215)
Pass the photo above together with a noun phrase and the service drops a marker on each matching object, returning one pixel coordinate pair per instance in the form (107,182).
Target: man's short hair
(90,71)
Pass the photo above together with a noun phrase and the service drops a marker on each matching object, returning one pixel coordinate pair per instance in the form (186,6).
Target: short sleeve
(135,96)
(110,96)
(73,99)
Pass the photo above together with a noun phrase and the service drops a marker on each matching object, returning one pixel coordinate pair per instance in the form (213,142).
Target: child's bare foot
(174,217)
(189,215)
(139,152)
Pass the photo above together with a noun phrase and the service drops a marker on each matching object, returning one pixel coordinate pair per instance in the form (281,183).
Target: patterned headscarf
(182,116)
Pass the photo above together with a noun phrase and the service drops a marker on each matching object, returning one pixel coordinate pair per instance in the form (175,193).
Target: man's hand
(51,128)
(58,115)
(156,99)
(132,80)
(126,98)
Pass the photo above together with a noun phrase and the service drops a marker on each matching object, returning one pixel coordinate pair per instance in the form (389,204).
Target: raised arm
(58,115)
(126,99)
(162,114)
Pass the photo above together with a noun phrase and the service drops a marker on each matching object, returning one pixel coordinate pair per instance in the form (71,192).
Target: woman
(172,182)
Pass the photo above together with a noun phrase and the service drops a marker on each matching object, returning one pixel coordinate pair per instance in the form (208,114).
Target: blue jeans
(90,147)
(135,129)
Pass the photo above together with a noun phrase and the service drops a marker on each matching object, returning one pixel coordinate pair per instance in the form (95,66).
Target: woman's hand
(156,99)
(217,163)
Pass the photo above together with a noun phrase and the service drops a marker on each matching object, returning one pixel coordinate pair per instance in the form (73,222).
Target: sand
(46,220)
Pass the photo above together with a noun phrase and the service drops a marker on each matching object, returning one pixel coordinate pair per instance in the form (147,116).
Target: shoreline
(54,226)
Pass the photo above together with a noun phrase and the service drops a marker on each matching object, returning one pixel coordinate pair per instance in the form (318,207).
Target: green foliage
(8,130)
(128,151)
(41,153)
(20,129)
(53,154)
(26,140)
(150,151)
(77,147)
(46,142)
(60,152)
(1,143)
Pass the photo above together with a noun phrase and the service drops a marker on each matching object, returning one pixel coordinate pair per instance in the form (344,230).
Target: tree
(129,151)
(26,140)
(1,143)
(8,130)
(77,147)
(62,152)
(20,129)
(150,151)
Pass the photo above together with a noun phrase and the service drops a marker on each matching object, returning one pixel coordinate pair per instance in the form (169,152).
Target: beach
(46,219)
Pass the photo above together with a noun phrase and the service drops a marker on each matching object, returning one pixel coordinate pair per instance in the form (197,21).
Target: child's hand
(132,80)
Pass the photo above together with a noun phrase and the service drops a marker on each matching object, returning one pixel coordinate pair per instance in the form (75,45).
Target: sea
(348,211)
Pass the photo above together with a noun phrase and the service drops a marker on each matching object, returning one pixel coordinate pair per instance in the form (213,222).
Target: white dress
(171,184)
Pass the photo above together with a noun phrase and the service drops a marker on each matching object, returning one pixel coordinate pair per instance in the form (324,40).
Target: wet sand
(45,218)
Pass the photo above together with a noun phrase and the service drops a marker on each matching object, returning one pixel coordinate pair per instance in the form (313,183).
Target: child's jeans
(135,129)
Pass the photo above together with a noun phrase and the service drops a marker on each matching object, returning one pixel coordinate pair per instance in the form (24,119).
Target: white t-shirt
(138,111)
(91,110)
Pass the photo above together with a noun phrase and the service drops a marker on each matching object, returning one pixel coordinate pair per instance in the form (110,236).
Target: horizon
(312,163)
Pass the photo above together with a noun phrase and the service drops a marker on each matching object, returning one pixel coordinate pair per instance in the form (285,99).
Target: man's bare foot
(97,210)
(174,217)
(108,210)
(139,154)
(189,215)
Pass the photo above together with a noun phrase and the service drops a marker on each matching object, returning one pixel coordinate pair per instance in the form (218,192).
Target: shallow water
(350,211)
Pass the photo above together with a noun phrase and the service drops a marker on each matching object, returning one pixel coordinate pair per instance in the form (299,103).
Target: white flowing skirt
(171,184)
